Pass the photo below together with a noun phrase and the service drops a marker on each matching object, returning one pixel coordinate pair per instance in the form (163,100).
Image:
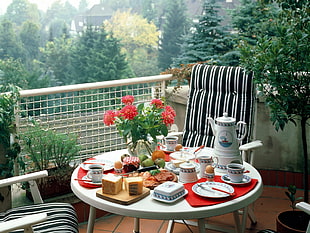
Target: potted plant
(46,149)
(281,66)
(292,221)
(9,146)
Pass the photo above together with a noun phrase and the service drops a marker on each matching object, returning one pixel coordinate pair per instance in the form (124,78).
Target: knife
(139,170)
(213,189)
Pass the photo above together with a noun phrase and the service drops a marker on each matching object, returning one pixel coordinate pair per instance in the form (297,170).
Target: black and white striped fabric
(61,217)
(215,90)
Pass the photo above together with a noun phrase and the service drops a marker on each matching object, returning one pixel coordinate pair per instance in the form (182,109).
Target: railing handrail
(95,85)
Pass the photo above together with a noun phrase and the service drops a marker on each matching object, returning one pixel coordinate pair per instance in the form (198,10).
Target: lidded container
(187,173)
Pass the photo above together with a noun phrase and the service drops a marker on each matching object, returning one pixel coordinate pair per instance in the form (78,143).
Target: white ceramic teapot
(226,144)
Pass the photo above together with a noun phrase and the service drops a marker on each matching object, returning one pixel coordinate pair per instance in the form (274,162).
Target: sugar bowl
(187,173)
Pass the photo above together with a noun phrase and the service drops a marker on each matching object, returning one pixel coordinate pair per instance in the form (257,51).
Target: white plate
(182,155)
(169,201)
(108,165)
(88,181)
(245,180)
(205,151)
(213,193)
(176,170)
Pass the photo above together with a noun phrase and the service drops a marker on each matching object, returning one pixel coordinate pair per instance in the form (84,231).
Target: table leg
(244,218)
(170,226)
(136,225)
(91,219)
(201,225)
(237,221)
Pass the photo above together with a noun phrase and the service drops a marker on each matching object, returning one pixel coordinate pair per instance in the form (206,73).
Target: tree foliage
(173,30)
(282,69)
(56,59)
(251,18)
(96,56)
(13,72)
(208,40)
(137,36)
(10,45)
(30,39)
(19,11)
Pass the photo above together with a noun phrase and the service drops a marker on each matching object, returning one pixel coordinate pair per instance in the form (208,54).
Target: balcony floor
(272,201)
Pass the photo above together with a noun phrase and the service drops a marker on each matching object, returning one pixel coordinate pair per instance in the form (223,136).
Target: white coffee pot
(226,144)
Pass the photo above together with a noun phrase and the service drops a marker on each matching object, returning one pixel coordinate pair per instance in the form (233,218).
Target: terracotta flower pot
(292,222)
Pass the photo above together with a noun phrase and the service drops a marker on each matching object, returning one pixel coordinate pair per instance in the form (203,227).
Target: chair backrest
(213,91)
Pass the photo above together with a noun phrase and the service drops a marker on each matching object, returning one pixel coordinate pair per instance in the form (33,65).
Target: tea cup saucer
(245,180)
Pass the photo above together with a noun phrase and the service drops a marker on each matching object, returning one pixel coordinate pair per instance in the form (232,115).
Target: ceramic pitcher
(226,144)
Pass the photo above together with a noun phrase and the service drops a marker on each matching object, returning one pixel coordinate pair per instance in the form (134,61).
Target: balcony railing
(79,109)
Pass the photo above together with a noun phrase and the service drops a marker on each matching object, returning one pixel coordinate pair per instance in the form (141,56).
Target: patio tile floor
(272,201)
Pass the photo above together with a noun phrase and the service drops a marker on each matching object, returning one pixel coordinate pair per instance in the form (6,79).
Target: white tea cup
(235,172)
(171,142)
(95,173)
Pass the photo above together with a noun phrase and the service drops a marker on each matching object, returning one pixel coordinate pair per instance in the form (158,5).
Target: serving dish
(169,201)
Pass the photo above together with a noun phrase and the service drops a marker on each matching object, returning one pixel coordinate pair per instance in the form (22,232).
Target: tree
(173,30)
(13,72)
(57,17)
(208,40)
(96,56)
(252,18)
(30,38)
(282,70)
(10,45)
(137,37)
(56,59)
(19,11)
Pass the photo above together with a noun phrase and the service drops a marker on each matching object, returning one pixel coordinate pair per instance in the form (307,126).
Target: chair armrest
(251,145)
(31,177)
(22,178)
(22,223)
(248,150)
(304,206)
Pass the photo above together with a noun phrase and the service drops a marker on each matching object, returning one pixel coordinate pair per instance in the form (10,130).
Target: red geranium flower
(128,112)
(128,99)
(170,110)
(167,117)
(109,117)
(158,103)
(139,122)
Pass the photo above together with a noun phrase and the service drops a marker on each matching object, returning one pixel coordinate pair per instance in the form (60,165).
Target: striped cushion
(61,217)
(213,91)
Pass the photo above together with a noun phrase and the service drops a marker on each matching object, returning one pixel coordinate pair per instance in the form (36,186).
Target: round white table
(148,208)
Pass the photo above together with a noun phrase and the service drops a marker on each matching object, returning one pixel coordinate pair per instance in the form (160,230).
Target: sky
(43,4)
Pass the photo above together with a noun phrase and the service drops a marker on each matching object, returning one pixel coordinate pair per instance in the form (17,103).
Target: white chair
(306,208)
(39,217)
(213,91)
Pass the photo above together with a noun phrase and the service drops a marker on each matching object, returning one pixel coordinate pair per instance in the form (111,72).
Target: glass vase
(140,147)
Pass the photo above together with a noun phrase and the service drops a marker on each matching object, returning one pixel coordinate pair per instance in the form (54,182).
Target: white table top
(149,208)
